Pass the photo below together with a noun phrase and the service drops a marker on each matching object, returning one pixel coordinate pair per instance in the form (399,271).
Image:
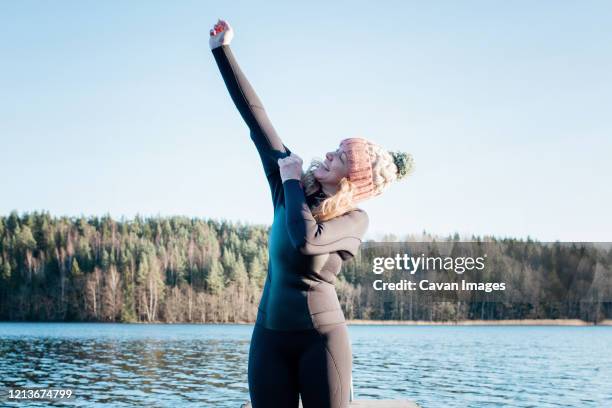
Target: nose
(329,156)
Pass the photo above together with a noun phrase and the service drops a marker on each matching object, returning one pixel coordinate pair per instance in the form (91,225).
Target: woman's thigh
(325,369)
(272,372)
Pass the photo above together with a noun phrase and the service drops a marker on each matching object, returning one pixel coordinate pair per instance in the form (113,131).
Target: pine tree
(214,280)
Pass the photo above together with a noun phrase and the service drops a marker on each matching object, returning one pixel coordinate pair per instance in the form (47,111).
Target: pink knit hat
(372,168)
(360,166)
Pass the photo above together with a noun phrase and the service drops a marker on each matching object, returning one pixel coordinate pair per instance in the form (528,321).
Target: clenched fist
(290,167)
(221,34)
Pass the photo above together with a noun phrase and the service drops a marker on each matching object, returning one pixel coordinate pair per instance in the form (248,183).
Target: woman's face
(334,167)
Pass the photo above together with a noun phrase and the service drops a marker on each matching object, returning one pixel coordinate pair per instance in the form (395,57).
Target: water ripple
(206,365)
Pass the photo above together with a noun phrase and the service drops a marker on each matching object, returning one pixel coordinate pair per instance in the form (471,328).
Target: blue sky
(117,107)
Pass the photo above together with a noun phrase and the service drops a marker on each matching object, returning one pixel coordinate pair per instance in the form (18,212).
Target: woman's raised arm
(269,145)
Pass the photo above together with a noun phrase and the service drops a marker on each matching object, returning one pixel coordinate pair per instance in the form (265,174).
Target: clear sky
(117,107)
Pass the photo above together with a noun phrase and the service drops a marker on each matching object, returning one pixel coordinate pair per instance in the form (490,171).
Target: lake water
(205,365)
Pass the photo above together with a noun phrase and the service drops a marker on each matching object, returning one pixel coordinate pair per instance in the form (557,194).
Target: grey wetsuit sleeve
(263,134)
(340,234)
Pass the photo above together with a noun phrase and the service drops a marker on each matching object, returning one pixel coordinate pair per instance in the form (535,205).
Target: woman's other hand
(221,34)
(290,167)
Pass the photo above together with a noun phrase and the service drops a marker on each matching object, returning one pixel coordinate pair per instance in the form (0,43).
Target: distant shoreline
(509,322)
(357,322)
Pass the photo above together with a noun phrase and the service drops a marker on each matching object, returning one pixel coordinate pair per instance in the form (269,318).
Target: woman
(300,343)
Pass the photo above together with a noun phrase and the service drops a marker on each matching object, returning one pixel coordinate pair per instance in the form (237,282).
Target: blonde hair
(333,206)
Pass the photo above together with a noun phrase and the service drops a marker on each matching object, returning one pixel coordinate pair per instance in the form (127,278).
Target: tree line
(180,269)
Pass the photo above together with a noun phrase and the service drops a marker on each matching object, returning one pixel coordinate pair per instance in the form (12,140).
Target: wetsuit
(300,342)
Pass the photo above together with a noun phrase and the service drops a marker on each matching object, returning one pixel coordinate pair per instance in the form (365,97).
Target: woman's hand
(221,34)
(290,167)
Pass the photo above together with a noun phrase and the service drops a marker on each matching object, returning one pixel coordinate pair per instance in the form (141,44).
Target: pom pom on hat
(404,163)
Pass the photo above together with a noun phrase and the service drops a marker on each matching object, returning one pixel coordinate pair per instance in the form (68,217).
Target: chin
(319,174)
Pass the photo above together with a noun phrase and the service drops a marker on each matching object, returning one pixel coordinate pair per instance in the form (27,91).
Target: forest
(180,269)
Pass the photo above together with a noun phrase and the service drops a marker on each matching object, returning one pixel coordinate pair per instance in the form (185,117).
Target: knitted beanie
(371,168)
